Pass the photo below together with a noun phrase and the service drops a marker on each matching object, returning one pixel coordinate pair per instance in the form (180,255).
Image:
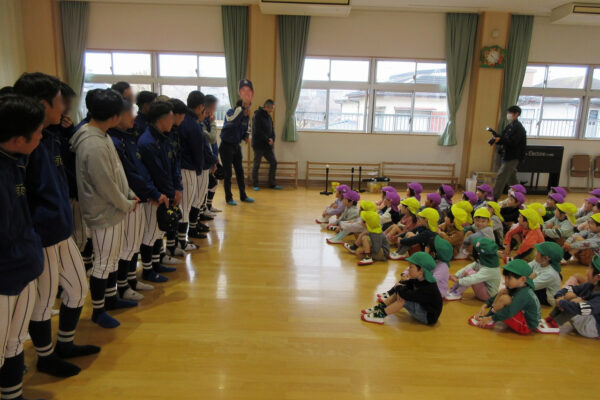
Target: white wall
(12,47)
(566,44)
(373,34)
(155,27)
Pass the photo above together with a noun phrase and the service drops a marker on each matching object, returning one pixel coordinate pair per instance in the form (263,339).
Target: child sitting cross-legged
(517,305)
(483,275)
(510,212)
(390,214)
(373,244)
(419,295)
(334,209)
(350,214)
(409,208)
(422,235)
(453,226)
(546,271)
(560,227)
(579,305)
(482,228)
(585,244)
(530,233)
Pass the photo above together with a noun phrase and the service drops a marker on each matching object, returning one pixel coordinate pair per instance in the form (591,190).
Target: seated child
(334,209)
(447,193)
(497,220)
(433,200)
(579,305)
(380,203)
(470,197)
(423,235)
(373,244)
(409,208)
(510,212)
(452,228)
(584,225)
(414,189)
(584,245)
(419,295)
(562,225)
(559,190)
(530,233)
(356,226)
(482,227)
(483,275)
(546,272)
(484,193)
(551,202)
(390,214)
(350,214)
(512,189)
(595,193)
(517,305)
(442,254)
(586,211)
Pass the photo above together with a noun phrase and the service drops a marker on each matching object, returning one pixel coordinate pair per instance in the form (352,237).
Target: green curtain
(517,54)
(293,35)
(461,31)
(74,20)
(235,42)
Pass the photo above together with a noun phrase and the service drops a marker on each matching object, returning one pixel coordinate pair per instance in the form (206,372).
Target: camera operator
(514,145)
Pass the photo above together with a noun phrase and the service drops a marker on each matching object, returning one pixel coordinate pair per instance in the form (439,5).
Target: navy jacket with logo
(64,135)
(48,192)
(22,258)
(140,124)
(192,142)
(138,178)
(235,127)
(158,158)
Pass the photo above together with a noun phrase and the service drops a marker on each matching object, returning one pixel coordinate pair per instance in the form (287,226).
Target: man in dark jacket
(514,142)
(263,138)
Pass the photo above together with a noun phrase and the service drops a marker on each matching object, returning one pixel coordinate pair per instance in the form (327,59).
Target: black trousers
(269,155)
(231,155)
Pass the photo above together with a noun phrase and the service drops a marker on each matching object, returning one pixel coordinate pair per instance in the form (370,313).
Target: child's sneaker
(475,322)
(373,309)
(351,247)
(321,220)
(366,261)
(215,210)
(332,228)
(551,322)
(177,252)
(544,327)
(453,296)
(167,259)
(131,294)
(334,240)
(381,297)
(397,256)
(190,246)
(462,255)
(373,318)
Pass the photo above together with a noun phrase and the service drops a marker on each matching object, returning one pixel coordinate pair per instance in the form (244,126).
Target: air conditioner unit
(576,14)
(320,8)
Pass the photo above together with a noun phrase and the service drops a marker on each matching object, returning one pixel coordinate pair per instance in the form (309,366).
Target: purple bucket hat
(343,188)
(394,199)
(592,200)
(520,197)
(557,198)
(519,188)
(448,191)
(488,190)
(559,190)
(352,196)
(471,197)
(435,199)
(388,189)
(417,188)
(595,192)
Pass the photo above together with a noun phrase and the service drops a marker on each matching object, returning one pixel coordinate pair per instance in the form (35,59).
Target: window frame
(371,87)
(584,95)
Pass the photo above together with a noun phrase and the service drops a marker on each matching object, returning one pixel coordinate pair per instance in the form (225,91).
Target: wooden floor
(267,310)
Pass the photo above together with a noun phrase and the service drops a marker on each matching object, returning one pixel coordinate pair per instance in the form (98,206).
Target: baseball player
(48,198)
(140,182)
(105,199)
(143,101)
(157,156)
(22,259)
(209,128)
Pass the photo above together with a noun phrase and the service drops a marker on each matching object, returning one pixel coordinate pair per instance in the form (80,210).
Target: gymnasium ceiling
(536,7)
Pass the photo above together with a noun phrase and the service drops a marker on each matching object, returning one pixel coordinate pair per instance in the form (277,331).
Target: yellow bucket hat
(465,205)
(372,220)
(432,217)
(539,208)
(533,218)
(412,204)
(496,207)
(366,205)
(460,217)
(570,209)
(596,217)
(483,213)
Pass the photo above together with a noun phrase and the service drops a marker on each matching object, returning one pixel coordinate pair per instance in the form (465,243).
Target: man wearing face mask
(514,142)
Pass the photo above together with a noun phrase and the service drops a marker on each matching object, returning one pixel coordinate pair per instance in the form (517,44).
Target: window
(560,101)
(173,75)
(370,95)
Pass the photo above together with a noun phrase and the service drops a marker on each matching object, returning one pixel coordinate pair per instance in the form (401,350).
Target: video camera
(495,135)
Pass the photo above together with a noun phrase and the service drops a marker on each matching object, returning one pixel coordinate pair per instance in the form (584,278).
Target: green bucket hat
(596,263)
(443,249)
(521,268)
(552,250)
(426,262)
(487,250)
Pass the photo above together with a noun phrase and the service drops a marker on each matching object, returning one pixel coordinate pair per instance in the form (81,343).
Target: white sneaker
(209,214)
(168,260)
(348,247)
(382,296)
(372,319)
(543,327)
(131,294)
(365,261)
(190,246)
(475,322)
(453,296)
(397,256)
(369,310)
(143,286)
(215,210)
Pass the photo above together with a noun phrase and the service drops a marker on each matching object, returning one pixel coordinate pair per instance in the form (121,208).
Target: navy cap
(246,82)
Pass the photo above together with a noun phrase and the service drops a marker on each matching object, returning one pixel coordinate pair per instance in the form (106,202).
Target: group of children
(85,200)
(533,240)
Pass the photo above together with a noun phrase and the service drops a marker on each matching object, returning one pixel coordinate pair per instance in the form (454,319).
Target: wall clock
(493,57)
